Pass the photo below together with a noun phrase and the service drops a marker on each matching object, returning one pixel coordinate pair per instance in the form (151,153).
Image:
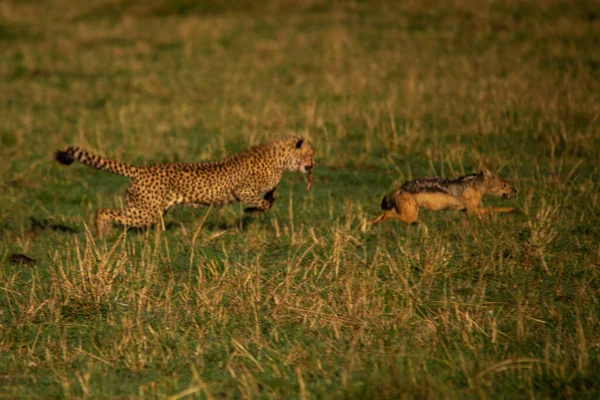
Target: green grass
(307,300)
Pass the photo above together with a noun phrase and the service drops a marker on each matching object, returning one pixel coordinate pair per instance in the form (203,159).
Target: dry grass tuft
(307,300)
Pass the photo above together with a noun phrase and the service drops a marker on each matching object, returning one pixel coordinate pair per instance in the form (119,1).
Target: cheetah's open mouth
(506,196)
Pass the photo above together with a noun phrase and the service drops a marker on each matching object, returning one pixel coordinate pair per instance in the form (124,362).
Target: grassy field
(306,300)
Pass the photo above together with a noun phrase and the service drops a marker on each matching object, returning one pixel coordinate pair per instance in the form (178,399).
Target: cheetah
(242,177)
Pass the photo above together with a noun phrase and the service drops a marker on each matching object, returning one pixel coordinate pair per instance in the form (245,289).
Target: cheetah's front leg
(270,196)
(255,201)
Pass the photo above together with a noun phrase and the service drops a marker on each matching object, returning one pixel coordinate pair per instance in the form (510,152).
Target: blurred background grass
(305,300)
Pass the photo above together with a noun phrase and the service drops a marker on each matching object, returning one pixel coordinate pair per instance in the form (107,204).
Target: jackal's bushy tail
(67,157)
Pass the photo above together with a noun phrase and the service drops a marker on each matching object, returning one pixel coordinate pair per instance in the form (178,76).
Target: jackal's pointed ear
(299,143)
(486,172)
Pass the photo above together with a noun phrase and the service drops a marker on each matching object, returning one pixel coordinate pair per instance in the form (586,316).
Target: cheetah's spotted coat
(244,177)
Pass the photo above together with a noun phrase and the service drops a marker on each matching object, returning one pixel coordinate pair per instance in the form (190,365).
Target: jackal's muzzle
(507,195)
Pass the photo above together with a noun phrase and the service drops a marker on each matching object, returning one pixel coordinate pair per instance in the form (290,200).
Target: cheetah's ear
(299,143)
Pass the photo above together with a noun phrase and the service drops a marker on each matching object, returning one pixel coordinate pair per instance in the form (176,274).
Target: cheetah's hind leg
(129,217)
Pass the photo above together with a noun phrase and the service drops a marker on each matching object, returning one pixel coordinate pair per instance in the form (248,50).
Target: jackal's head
(496,186)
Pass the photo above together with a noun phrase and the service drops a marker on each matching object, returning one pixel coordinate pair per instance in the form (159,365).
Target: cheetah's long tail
(67,157)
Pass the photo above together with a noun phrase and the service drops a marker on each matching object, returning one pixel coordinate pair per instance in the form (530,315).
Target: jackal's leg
(130,217)
(409,209)
(389,214)
(405,210)
(407,217)
(496,210)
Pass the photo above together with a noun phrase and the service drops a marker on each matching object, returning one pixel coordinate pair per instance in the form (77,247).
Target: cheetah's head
(300,156)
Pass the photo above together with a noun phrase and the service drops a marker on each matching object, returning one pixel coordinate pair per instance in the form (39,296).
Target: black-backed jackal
(435,193)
